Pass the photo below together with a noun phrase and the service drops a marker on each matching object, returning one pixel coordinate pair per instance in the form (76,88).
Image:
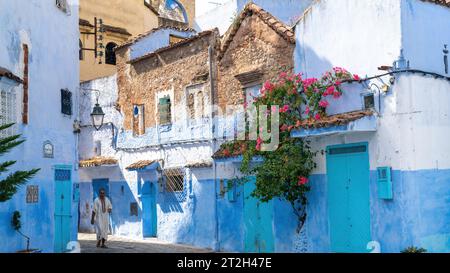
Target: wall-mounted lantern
(97,116)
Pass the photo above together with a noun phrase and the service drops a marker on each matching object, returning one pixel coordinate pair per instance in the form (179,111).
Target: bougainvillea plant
(284,173)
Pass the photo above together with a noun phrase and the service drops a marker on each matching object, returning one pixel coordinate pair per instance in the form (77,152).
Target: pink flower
(259,141)
(330,90)
(324,103)
(317,116)
(302,181)
(284,109)
(284,128)
(226,152)
(337,95)
(283,75)
(356,77)
(290,128)
(308,82)
(274,108)
(307,110)
(337,83)
(268,86)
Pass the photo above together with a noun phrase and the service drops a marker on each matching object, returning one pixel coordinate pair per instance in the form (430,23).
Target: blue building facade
(381,183)
(46,67)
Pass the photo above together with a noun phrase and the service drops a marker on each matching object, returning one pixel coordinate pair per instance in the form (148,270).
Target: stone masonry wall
(255,46)
(166,70)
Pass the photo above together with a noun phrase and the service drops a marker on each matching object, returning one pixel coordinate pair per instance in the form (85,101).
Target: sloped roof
(8,74)
(98,161)
(231,149)
(198,165)
(153,30)
(445,3)
(252,9)
(139,165)
(182,42)
(334,120)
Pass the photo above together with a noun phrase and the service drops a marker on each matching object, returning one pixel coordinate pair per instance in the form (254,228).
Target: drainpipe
(213,148)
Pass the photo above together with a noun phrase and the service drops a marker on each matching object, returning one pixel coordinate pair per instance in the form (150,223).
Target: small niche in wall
(133,209)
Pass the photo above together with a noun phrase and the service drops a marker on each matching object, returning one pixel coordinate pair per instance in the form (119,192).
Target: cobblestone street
(122,245)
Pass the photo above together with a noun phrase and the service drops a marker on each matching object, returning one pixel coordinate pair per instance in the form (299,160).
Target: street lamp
(97,116)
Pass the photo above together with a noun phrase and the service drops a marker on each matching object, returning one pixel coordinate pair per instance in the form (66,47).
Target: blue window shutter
(384,183)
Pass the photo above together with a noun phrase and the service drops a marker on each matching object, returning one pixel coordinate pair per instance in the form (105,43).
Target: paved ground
(122,245)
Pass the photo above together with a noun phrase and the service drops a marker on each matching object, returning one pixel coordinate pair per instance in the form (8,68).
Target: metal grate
(348,150)
(66,102)
(8,112)
(174,183)
(62,175)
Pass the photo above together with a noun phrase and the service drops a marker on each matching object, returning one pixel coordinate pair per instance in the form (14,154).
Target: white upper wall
(222,16)
(426,29)
(52,37)
(357,35)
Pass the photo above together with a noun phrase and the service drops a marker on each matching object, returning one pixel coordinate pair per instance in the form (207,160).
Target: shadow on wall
(126,207)
(171,201)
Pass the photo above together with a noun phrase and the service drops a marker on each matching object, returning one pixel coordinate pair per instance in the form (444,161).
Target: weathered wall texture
(53,65)
(169,71)
(255,47)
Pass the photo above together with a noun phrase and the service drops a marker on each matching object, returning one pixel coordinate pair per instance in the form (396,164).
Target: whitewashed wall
(221,16)
(52,38)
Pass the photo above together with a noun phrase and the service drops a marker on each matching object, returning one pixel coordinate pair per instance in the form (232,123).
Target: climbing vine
(284,173)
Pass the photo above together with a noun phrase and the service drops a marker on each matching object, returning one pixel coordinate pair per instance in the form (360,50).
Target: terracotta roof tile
(445,3)
(8,74)
(252,9)
(198,165)
(98,161)
(335,120)
(139,165)
(229,150)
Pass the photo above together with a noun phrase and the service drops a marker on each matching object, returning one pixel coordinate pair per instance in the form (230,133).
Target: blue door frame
(348,175)
(258,218)
(149,214)
(63,207)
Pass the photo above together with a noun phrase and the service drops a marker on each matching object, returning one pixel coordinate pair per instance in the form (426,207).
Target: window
(110,55)
(8,112)
(174,179)
(63,6)
(66,102)
(195,102)
(368,101)
(80,51)
(138,120)
(164,109)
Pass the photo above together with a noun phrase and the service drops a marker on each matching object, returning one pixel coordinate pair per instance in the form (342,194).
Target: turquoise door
(63,208)
(149,216)
(258,218)
(348,197)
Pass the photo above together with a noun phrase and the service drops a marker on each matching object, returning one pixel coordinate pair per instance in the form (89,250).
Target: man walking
(100,217)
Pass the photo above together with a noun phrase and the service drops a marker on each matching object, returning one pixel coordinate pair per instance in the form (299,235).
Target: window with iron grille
(174,180)
(8,112)
(66,102)
(164,109)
